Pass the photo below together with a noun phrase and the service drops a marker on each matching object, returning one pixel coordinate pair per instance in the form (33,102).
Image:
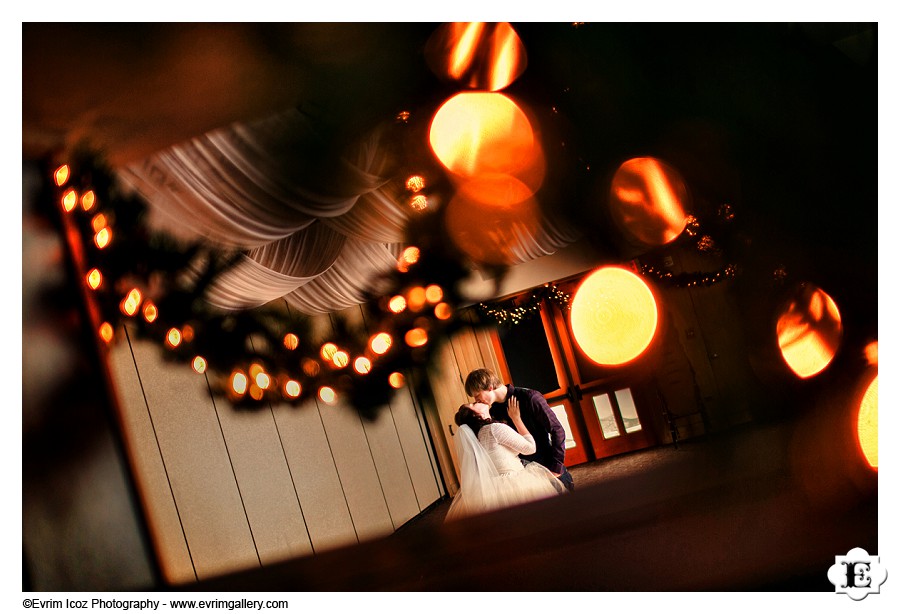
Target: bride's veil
(477,489)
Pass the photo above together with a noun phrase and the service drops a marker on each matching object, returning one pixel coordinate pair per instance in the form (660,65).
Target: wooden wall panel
(267,491)
(149,469)
(393,471)
(356,468)
(197,463)
(228,490)
(315,476)
(415,449)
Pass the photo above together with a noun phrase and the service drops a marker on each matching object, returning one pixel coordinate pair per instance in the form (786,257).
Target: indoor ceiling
(777,119)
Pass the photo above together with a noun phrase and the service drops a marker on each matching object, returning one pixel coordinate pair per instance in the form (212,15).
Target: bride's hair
(466,415)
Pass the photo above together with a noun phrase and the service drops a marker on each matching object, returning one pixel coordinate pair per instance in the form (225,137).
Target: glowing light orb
(434,294)
(380,343)
(415,183)
(648,200)
(503,231)
(416,298)
(61,176)
(199,364)
(106,332)
(94,278)
(485,56)
(87,200)
(614,316)
(340,359)
(310,367)
(291,341)
(867,424)
(475,133)
(292,389)
(418,202)
(328,351)
(99,222)
(173,338)
(397,304)
(187,333)
(809,331)
(328,395)
(263,380)
(409,257)
(417,337)
(103,237)
(871,353)
(239,382)
(131,302)
(396,380)
(150,312)
(69,200)
(443,311)
(362,365)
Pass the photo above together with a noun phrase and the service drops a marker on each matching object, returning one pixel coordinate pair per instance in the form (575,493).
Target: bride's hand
(514,412)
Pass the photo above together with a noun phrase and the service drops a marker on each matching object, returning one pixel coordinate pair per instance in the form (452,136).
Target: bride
(491,473)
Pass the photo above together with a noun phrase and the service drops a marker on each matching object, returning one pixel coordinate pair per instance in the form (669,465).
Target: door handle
(450,428)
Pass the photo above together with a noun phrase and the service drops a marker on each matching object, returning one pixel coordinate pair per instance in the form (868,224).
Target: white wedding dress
(492,474)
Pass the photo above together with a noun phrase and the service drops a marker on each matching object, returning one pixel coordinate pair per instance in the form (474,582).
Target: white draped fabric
(316,228)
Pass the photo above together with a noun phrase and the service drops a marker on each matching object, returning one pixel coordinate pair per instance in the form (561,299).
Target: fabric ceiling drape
(316,228)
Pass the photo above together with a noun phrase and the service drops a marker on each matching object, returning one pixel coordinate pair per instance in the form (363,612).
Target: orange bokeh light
(292,389)
(87,200)
(69,200)
(614,316)
(502,232)
(98,222)
(131,302)
(94,279)
(416,298)
(478,133)
(239,382)
(867,424)
(328,395)
(61,175)
(328,351)
(340,359)
(809,331)
(648,200)
(173,338)
(397,304)
(434,294)
(415,183)
(484,56)
(362,365)
(443,311)
(291,341)
(150,311)
(380,343)
(396,380)
(416,337)
(199,364)
(103,237)
(106,332)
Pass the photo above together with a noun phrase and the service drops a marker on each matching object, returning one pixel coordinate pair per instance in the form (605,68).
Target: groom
(541,422)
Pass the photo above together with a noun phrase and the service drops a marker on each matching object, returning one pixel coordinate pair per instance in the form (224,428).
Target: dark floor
(595,473)
(761,508)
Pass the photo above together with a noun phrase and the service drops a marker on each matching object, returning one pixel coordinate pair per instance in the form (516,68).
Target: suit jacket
(549,435)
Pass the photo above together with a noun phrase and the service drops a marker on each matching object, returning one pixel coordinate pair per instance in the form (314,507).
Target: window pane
(605,415)
(627,411)
(560,411)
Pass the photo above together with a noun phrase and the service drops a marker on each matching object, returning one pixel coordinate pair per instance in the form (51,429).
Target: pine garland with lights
(515,311)
(153,285)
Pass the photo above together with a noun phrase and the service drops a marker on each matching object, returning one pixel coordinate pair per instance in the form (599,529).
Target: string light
(87,200)
(516,313)
(94,278)
(199,364)
(61,175)
(69,200)
(689,280)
